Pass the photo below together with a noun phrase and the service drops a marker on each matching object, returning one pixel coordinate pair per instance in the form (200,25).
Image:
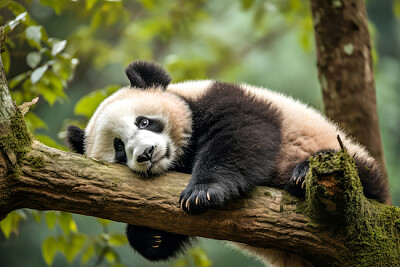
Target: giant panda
(229,137)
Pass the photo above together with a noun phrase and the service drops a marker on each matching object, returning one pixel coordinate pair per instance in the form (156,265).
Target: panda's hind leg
(156,245)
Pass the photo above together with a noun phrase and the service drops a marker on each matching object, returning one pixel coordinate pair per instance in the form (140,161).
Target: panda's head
(142,126)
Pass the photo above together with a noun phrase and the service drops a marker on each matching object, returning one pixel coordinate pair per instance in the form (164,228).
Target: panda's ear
(75,139)
(144,74)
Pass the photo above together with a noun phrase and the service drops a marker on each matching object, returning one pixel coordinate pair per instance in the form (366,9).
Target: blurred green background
(72,54)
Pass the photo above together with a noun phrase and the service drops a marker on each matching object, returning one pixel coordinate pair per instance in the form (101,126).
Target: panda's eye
(119,145)
(144,123)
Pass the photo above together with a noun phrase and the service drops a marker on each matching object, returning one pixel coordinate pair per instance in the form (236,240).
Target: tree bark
(345,69)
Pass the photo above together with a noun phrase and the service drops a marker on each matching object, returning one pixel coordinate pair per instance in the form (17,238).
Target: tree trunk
(345,70)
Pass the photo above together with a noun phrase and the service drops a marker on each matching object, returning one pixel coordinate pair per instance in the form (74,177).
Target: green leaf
(48,141)
(103,222)
(17,80)
(14,23)
(49,250)
(33,59)
(34,122)
(38,73)
(65,222)
(7,225)
(58,47)
(90,4)
(246,4)
(111,256)
(34,34)
(200,257)
(51,219)
(87,255)
(396,8)
(37,215)
(117,240)
(5,56)
(74,246)
(87,105)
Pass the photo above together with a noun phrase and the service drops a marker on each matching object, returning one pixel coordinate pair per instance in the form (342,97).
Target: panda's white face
(139,129)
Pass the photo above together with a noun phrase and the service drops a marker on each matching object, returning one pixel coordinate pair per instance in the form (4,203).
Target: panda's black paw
(299,174)
(197,198)
(155,245)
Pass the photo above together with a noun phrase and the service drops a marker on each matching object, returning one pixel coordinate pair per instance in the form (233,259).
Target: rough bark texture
(345,69)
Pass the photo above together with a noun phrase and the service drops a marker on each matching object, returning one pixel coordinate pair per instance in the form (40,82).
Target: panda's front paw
(299,174)
(198,198)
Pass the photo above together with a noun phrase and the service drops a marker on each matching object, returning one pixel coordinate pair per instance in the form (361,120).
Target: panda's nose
(146,155)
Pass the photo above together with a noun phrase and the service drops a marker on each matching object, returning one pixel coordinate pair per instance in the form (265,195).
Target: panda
(229,137)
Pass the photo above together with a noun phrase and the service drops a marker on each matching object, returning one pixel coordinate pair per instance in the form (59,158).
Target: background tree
(193,40)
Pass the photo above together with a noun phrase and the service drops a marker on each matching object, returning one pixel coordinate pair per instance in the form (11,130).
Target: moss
(370,229)
(268,194)
(17,141)
(35,162)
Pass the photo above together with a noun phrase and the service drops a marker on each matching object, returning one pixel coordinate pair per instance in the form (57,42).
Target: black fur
(143,74)
(232,154)
(75,139)
(154,244)
(120,154)
(154,125)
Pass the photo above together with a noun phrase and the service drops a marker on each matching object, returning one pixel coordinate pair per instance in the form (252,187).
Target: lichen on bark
(334,199)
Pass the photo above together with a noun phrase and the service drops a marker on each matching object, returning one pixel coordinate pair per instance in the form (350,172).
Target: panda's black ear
(75,138)
(144,74)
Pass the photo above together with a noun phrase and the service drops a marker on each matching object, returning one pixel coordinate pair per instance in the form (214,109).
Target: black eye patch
(153,125)
(119,147)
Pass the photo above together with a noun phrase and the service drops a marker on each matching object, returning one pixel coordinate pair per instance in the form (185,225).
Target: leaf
(65,222)
(103,222)
(5,56)
(37,215)
(6,225)
(33,59)
(117,240)
(87,105)
(246,4)
(14,23)
(17,80)
(111,256)
(48,141)
(58,47)
(34,122)
(74,246)
(396,8)
(34,33)
(51,219)
(38,73)
(87,255)
(90,4)
(49,250)
(200,257)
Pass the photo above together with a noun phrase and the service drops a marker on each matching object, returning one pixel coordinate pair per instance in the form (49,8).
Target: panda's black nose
(146,155)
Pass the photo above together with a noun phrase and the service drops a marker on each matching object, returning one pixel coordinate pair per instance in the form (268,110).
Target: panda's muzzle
(146,155)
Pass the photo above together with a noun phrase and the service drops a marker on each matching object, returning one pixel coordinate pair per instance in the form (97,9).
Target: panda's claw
(200,197)
(299,174)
